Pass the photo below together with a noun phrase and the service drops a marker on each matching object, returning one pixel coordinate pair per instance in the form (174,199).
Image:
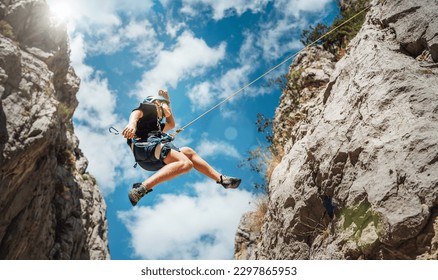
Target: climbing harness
(179,130)
(154,140)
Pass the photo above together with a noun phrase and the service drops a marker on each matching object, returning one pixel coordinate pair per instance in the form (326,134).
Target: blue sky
(201,51)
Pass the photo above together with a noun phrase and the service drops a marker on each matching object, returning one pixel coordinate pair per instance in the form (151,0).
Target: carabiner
(113,130)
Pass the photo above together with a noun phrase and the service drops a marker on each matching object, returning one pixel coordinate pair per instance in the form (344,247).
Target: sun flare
(62,11)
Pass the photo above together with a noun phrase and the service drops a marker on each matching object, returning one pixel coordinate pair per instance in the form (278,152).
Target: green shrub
(339,38)
(7,30)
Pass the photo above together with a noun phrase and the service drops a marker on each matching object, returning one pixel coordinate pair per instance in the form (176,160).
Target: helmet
(150,99)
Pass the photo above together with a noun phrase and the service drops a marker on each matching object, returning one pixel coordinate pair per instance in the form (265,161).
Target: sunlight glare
(62,11)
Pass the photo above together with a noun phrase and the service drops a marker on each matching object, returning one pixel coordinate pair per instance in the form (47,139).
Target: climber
(153,150)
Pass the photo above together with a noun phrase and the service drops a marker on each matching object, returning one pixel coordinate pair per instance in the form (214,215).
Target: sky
(201,51)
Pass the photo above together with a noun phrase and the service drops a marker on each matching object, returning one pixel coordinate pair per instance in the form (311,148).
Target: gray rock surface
(361,181)
(246,237)
(51,208)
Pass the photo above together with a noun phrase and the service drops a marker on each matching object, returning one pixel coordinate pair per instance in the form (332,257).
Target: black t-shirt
(148,122)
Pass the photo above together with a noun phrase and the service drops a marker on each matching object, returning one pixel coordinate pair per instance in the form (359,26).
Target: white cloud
(140,34)
(234,79)
(96,101)
(249,53)
(202,95)
(188,227)
(87,15)
(298,6)
(273,34)
(207,94)
(211,149)
(94,115)
(77,56)
(277,36)
(223,8)
(183,139)
(173,28)
(104,152)
(190,57)
(138,29)
(83,13)
(101,22)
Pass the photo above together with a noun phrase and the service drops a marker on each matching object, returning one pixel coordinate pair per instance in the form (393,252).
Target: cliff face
(358,179)
(50,206)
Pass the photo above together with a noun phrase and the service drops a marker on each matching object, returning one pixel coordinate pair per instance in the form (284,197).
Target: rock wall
(51,208)
(358,179)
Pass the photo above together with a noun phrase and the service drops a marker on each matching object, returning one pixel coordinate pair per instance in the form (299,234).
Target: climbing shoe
(138,191)
(229,182)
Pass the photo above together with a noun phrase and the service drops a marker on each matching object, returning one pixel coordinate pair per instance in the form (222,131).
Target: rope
(266,73)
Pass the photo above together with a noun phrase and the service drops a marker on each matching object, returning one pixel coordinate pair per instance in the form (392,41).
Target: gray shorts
(150,155)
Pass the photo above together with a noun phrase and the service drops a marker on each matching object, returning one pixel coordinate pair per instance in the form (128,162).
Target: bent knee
(189,152)
(185,165)
(181,161)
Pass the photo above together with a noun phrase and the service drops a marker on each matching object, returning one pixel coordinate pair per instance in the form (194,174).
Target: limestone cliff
(50,206)
(358,179)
